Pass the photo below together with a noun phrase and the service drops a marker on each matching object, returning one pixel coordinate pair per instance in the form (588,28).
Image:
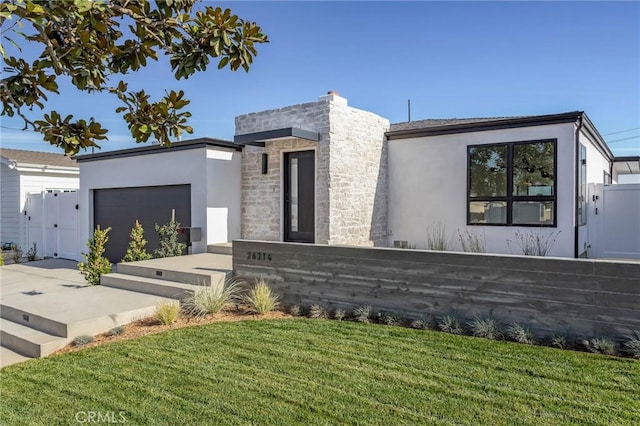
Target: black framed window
(512,184)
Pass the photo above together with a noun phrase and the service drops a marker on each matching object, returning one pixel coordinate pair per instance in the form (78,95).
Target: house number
(258,255)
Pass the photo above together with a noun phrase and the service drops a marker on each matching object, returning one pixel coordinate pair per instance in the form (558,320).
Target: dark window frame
(510,198)
(582,185)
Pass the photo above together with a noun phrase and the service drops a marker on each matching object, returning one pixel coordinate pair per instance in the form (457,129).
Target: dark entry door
(299,196)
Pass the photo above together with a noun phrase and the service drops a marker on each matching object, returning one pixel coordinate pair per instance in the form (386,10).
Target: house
(39,202)
(324,172)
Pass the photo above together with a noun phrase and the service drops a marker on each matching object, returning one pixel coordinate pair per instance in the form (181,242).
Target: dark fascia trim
(597,137)
(627,158)
(159,149)
(287,132)
(507,123)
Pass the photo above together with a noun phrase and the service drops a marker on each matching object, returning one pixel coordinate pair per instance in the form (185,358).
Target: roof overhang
(627,165)
(38,168)
(259,138)
(507,123)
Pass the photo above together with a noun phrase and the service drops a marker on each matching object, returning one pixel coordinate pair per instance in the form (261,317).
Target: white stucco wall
(597,165)
(213,173)
(428,183)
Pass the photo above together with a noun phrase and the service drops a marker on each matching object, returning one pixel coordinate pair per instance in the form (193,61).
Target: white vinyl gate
(52,222)
(615,214)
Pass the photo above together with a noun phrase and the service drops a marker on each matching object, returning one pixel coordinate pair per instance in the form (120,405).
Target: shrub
(32,253)
(533,243)
(339,314)
(520,333)
(212,299)
(559,341)
(470,242)
(632,346)
(362,314)
(168,244)
(600,346)
(488,327)
(317,311)
(390,319)
(116,331)
(261,299)
(451,324)
(436,237)
(96,264)
(295,310)
(17,256)
(167,312)
(136,250)
(419,324)
(82,340)
(1,258)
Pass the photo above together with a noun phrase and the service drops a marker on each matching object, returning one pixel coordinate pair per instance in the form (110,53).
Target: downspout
(576,188)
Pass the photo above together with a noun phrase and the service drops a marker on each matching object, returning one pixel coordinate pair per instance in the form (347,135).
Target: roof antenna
(409,109)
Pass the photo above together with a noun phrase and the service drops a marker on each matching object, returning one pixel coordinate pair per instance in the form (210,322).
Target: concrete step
(166,273)
(27,341)
(222,248)
(9,357)
(31,320)
(141,284)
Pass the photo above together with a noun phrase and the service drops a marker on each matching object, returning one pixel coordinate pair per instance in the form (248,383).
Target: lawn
(321,372)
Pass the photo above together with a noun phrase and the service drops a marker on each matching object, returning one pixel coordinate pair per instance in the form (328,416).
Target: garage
(119,208)
(199,179)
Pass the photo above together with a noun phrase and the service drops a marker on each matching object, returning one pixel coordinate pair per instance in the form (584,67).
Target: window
(512,184)
(582,190)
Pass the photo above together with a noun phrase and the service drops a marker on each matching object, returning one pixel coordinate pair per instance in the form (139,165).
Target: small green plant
(317,311)
(451,324)
(168,244)
(339,314)
(136,250)
(1,257)
(295,310)
(418,324)
(116,331)
(488,327)
(471,242)
(32,253)
(390,319)
(167,312)
(82,340)
(362,314)
(437,237)
(96,264)
(17,256)
(520,333)
(559,341)
(600,346)
(533,243)
(212,299)
(632,345)
(261,299)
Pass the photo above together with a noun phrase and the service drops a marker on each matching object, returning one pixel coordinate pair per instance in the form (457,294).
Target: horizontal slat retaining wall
(590,298)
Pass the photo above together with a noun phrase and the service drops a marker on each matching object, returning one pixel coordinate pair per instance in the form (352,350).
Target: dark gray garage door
(120,207)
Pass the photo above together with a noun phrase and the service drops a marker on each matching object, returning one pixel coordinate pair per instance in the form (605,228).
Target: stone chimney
(333,96)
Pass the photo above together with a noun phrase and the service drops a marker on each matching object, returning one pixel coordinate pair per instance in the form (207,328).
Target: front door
(299,196)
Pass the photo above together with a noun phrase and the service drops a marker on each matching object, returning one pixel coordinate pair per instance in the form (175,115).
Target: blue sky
(452,59)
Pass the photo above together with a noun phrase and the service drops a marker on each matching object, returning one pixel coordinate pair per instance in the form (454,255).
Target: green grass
(322,372)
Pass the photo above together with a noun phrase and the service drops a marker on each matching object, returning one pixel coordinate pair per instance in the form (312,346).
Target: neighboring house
(39,201)
(327,173)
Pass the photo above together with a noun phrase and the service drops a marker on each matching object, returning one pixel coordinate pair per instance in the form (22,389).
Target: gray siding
(577,296)
(10,205)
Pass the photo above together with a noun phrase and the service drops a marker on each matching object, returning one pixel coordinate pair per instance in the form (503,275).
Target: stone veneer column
(351,172)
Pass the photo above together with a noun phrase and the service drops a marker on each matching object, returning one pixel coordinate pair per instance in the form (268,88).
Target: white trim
(315,189)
